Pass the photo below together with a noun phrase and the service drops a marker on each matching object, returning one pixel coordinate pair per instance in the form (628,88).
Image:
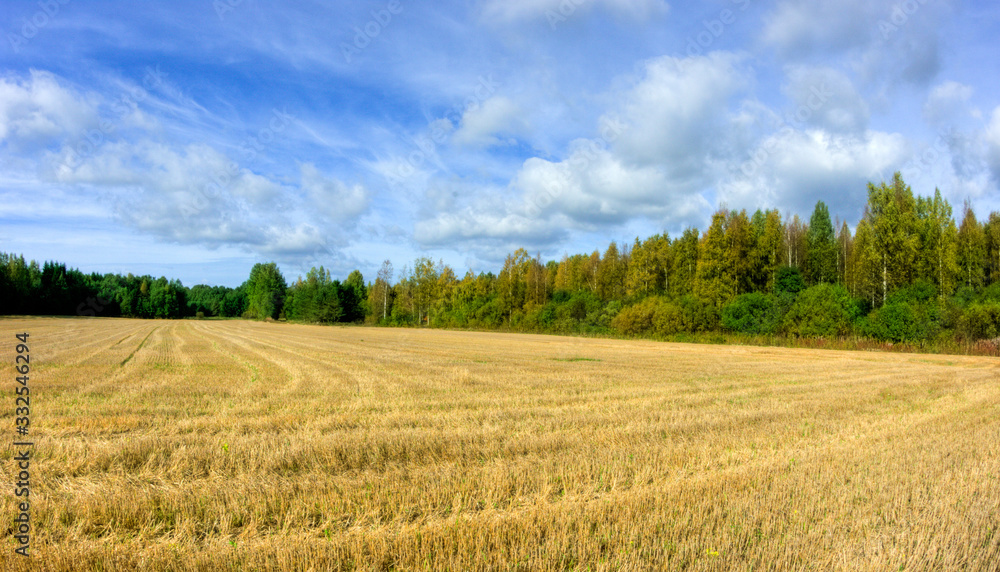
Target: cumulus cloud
(946,102)
(332,198)
(593,186)
(301,240)
(591,189)
(39,110)
(194,194)
(678,114)
(197,195)
(658,150)
(481,226)
(792,169)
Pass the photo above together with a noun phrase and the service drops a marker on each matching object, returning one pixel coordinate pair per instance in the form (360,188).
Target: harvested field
(181,445)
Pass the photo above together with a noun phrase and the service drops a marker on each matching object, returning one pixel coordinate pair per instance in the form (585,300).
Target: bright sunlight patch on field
(176,445)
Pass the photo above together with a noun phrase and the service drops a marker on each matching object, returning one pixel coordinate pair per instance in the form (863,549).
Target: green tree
(740,246)
(938,242)
(381,299)
(265,291)
(353,297)
(235,303)
(512,284)
(795,242)
(611,274)
(991,230)
(715,283)
(684,270)
(821,247)
(769,249)
(845,247)
(865,264)
(971,249)
(536,279)
(892,215)
(425,279)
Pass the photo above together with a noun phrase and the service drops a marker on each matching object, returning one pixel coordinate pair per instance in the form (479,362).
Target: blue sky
(192,139)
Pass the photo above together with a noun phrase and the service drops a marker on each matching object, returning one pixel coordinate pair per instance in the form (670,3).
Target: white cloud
(793,169)
(593,186)
(39,110)
(476,225)
(331,197)
(482,125)
(197,195)
(301,240)
(947,102)
(803,27)
(678,115)
(659,149)
(883,44)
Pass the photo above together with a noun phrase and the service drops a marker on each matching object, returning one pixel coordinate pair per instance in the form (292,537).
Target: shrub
(980,321)
(751,313)
(990,294)
(560,296)
(668,318)
(963,297)
(578,306)
(489,314)
(789,280)
(609,313)
(920,292)
(653,314)
(637,319)
(698,315)
(895,322)
(823,310)
(547,314)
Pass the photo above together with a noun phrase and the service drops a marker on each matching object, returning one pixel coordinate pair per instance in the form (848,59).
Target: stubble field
(181,445)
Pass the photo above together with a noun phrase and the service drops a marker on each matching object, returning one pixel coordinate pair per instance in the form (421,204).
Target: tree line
(51,289)
(907,272)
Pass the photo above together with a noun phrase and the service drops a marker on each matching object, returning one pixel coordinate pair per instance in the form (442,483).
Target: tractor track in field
(139,347)
(295,368)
